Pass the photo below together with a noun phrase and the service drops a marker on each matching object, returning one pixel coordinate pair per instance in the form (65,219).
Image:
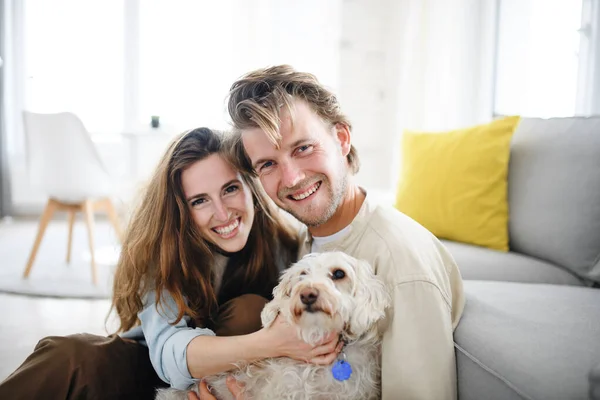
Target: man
(294,137)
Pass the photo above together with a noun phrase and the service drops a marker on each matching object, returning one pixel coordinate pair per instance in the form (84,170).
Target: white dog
(321,293)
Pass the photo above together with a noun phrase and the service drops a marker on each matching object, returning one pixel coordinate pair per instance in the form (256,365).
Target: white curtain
(445,62)
(436,73)
(13,98)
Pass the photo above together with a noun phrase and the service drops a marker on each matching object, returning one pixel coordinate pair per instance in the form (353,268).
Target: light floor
(25,320)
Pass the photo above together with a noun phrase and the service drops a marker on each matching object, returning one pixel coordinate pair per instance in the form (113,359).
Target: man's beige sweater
(418,350)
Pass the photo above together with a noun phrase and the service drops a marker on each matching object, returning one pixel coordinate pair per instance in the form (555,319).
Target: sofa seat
(480,263)
(527,341)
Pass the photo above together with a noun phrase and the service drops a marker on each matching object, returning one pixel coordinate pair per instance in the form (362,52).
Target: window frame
(588,86)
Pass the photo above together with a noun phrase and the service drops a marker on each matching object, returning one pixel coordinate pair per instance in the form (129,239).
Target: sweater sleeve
(418,359)
(168,343)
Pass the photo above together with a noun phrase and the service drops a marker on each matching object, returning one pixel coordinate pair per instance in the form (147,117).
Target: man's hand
(233,386)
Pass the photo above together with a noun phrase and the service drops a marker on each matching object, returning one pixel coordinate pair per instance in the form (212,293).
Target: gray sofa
(531,325)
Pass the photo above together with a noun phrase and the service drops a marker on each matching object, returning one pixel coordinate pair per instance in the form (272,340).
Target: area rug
(51,276)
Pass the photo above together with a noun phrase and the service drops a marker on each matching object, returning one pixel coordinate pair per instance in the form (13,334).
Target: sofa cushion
(595,383)
(554,192)
(527,341)
(454,182)
(479,263)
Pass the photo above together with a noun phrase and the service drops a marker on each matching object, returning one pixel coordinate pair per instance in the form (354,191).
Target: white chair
(63,161)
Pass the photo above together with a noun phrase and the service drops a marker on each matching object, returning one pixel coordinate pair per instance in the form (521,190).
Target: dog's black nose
(309,296)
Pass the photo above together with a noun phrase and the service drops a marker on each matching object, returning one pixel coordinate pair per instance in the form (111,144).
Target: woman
(201,256)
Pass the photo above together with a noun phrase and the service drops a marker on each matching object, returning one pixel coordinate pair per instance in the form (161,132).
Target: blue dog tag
(341,370)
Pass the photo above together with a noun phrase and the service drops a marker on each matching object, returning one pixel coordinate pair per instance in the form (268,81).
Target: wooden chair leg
(88,210)
(114,219)
(70,241)
(51,207)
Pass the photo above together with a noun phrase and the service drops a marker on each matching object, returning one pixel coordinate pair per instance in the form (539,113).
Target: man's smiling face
(308,174)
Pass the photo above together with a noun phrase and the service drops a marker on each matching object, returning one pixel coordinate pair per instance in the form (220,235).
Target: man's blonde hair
(256,100)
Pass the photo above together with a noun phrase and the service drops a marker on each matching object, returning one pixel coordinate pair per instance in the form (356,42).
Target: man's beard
(336,195)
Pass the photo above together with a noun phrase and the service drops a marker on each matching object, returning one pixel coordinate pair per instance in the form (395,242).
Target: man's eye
(231,189)
(266,165)
(303,149)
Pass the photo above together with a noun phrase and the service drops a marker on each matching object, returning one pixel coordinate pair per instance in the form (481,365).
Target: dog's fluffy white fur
(352,305)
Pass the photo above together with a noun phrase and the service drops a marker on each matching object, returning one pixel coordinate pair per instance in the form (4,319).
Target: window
(73,56)
(538,58)
(186,61)
(192,51)
(117,63)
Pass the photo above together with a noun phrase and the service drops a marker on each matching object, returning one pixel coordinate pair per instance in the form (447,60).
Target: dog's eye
(302,273)
(338,274)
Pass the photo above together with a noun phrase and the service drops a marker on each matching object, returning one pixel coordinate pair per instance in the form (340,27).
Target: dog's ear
(281,291)
(372,299)
(269,313)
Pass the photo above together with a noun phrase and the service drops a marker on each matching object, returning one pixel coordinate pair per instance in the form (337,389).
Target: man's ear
(343,136)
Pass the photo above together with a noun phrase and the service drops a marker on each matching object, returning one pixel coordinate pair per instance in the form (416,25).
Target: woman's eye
(198,202)
(231,189)
(338,274)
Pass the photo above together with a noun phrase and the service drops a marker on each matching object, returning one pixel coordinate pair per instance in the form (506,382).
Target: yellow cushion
(455,183)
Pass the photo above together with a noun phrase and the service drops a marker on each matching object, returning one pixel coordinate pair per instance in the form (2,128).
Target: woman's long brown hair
(163,250)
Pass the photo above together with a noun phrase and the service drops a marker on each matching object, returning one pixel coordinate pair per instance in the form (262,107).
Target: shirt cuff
(175,357)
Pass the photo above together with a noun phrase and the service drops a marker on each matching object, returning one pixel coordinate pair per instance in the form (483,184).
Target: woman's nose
(220,211)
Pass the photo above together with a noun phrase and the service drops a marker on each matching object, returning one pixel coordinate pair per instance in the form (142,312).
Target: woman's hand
(284,341)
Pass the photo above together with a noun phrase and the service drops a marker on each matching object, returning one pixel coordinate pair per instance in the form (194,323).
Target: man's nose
(220,211)
(290,174)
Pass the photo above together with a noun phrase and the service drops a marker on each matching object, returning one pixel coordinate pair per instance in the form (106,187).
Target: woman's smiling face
(220,202)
